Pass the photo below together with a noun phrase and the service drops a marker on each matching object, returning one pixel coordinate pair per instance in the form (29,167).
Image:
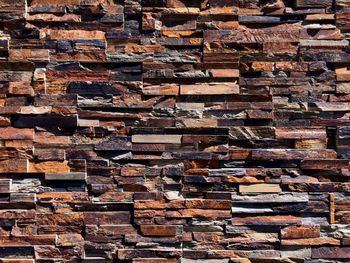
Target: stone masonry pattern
(174,131)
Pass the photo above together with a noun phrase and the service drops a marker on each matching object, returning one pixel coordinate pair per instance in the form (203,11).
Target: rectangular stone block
(331,252)
(49,167)
(10,133)
(157,230)
(14,166)
(209,89)
(73,176)
(156,138)
(260,188)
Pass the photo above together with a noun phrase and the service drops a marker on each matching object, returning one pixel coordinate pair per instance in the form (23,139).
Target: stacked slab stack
(175,131)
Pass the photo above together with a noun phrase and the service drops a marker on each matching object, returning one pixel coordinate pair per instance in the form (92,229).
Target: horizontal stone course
(174,131)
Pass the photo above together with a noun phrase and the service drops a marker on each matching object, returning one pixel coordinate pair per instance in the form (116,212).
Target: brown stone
(49,167)
(156,230)
(300,232)
(300,133)
(53,2)
(315,164)
(19,88)
(14,166)
(311,241)
(266,220)
(10,133)
(331,252)
(35,55)
(208,204)
(170,89)
(63,197)
(155,204)
(200,213)
(69,240)
(224,73)
(107,218)
(71,34)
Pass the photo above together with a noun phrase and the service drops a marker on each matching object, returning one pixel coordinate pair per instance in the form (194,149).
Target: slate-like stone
(174,131)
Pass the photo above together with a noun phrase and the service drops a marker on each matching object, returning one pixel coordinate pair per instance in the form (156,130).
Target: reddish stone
(156,230)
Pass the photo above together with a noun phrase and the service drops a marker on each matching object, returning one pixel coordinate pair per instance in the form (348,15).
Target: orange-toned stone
(49,167)
(71,34)
(157,230)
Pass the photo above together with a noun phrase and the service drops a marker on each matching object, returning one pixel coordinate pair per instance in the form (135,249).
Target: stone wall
(153,131)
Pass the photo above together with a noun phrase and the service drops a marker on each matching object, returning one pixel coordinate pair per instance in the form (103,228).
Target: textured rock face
(171,131)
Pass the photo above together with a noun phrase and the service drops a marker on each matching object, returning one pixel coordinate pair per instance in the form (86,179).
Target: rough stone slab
(9,133)
(159,138)
(257,188)
(209,89)
(74,176)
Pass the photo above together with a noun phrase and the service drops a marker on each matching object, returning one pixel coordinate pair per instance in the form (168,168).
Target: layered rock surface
(142,131)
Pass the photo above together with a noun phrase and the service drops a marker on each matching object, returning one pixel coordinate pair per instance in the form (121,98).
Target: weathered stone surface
(260,188)
(209,89)
(331,252)
(71,34)
(49,167)
(10,133)
(266,220)
(300,133)
(14,166)
(154,230)
(301,232)
(148,138)
(174,131)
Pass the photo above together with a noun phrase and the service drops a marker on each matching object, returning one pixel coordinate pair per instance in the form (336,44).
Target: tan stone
(35,110)
(71,34)
(177,34)
(165,89)
(301,133)
(210,89)
(260,188)
(343,74)
(181,11)
(156,138)
(320,17)
(311,144)
(53,18)
(20,88)
(19,143)
(40,55)
(144,48)
(343,87)
(225,73)
(196,123)
(49,139)
(5,121)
